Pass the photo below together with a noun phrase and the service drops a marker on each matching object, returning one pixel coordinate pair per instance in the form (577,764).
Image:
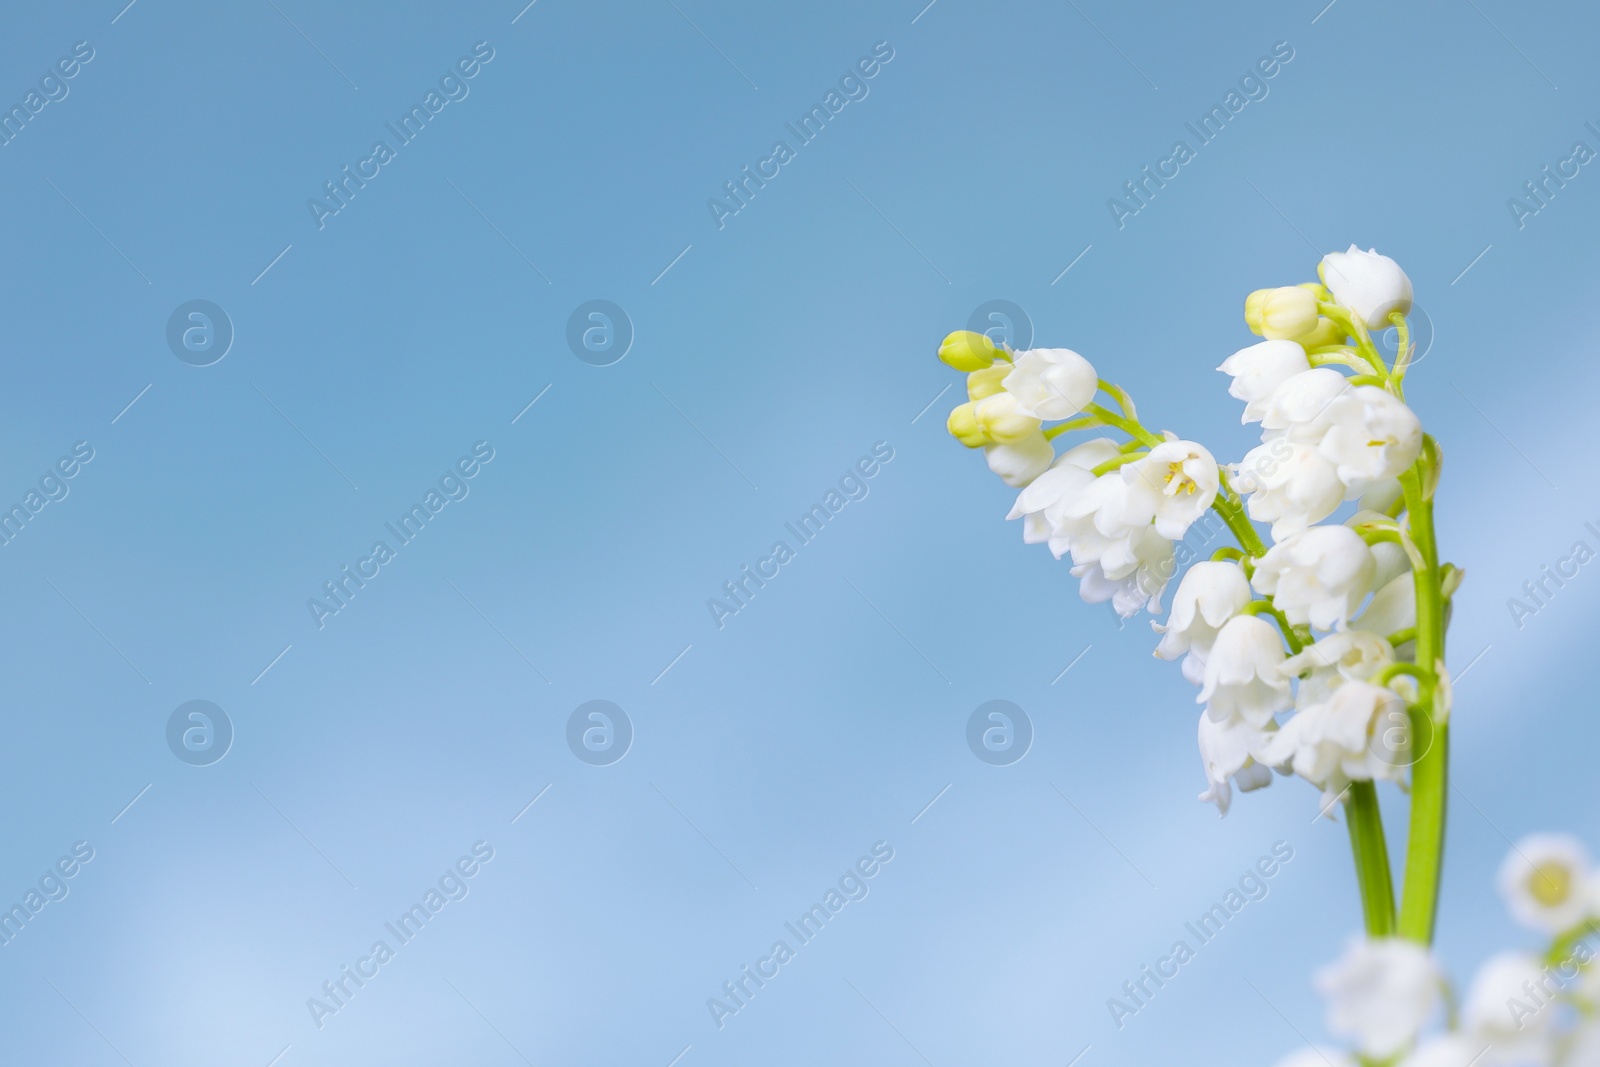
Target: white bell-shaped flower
(1319,577)
(1020,462)
(1345,656)
(1244,676)
(1301,408)
(1131,573)
(1545,882)
(1371,437)
(1369,284)
(1211,593)
(1067,477)
(1260,369)
(1379,993)
(1230,753)
(1171,486)
(1051,383)
(1289,485)
(1393,608)
(1361,734)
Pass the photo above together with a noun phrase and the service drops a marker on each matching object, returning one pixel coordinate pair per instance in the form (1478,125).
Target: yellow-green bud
(999,418)
(968,350)
(1316,289)
(986,382)
(1278,314)
(963,426)
(1324,333)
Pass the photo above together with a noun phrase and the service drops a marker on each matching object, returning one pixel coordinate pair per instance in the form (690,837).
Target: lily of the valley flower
(1172,486)
(1393,608)
(1040,504)
(1020,462)
(1281,313)
(1244,676)
(1360,734)
(1545,882)
(1371,437)
(1230,753)
(1317,577)
(968,350)
(1301,408)
(1260,369)
(1289,485)
(1379,993)
(1132,573)
(1051,383)
(1369,284)
(1211,593)
(1346,656)
(1002,419)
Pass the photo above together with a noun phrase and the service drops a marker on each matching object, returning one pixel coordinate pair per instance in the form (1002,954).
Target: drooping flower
(1345,656)
(1020,462)
(1259,369)
(1393,608)
(1362,733)
(1379,993)
(1132,572)
(1171,486)
(1211,593)
(1319,577)
(1288,484)
(1508,1006)
(1369,284)
(1244,676)
(1230,753)
(1288,311)
(1039,505)
(1051,383)
(1371,437)
(1301,408)
(1545,882)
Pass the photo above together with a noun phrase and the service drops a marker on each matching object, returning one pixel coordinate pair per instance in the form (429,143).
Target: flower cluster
(1320,623)
(1521,1008)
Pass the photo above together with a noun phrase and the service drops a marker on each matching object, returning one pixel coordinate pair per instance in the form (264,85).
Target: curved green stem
(1371,851)
(1112,464)
(1126,425)
(1085,423)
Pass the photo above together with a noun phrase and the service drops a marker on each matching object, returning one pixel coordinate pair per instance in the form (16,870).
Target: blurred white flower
(1316,1057)
(1361,733)
(1172,486)
(1507,1006)
(1259,369)
(1230,750)
(1545,882)
(1211,593)
(1020,462)
(1584,1050)
(1371,437)
(1051,383)
(1288,484)
(1447,1050)
(1244,676)
(1379,993)
(1320,576)
(1369,284)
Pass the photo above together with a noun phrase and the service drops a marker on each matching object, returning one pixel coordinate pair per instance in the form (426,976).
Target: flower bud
(1280,313)
(1326,332)
(987,382)
(1020,463)
(1316,289)
(1000,419)
(1370,285)
(963,426)
(968,350)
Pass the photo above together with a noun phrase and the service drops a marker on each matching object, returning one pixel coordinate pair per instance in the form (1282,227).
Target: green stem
(1371,852)
(1128,426)
(1112,464)
(1430,773)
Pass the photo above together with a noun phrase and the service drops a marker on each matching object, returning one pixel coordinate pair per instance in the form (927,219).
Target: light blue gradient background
(793,339)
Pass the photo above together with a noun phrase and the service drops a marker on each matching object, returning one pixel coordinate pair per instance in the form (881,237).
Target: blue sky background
(770,754)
